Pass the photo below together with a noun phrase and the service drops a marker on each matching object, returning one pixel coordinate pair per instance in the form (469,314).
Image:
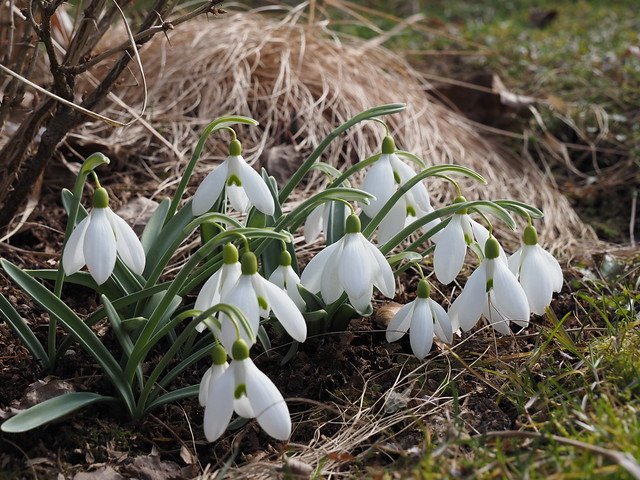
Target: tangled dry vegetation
(300,81)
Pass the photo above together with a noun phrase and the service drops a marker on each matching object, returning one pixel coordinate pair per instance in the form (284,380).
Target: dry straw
(300,81)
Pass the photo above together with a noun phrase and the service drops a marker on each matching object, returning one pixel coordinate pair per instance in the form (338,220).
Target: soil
(329,376)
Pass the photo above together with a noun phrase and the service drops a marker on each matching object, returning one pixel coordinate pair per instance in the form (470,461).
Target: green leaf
(174,396)
(154,225)
(61,313)
(408,256)
(22,330)
(52,409)
(67,202)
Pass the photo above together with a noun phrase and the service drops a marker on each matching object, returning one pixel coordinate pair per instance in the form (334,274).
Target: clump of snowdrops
(247,274)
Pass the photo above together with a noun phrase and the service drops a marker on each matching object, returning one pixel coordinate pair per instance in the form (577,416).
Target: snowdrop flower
(351,265)
(452,241)
(318,220)
(285,277)
(423,317)
(244,186)
(493,291)
(243,388)
(97,240)
(256,297)
(221,281)
(219,366)
(538,271)
(381,181)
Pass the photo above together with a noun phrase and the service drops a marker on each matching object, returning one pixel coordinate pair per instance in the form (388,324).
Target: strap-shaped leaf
(22,330)
(154,225)
(75,326)
(52,409)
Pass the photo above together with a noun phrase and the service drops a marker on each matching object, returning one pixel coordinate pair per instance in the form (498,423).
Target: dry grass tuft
(300,81)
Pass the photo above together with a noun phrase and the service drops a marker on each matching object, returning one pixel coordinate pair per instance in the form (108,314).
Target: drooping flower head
(422,318)
(243,388)
(452,242)
(493,291)
(285,277)
(382,180)
(537,270)
(218,367)
(256,297)
(352,265)
(224,279)
(243,185)
(98,239)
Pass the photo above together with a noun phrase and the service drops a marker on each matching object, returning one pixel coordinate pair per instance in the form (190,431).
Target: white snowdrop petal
(442,325)
(255,188)
(536,280)
(127,243)
(286,311)
(267,403)
(379,182)
(313,224)
(238,198)
(400,323)
(467,308)
(393,222)
(73,255)
(421,331)
(451,248)
(361,303)
(210,189)
(100,246)
(383,278)
(219,409)
(313,272)
(555,270)
(498,321)
(509,297)
(277,277)
(212,373)
(515,260)
(330,285)
(354,269)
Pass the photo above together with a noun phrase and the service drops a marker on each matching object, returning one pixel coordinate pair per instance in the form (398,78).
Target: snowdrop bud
(240,350)
(100,198)
(229,254)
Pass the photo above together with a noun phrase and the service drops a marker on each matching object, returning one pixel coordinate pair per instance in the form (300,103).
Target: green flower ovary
(240,350)
(352,224)
(218,355)
(100,198)
(249,264)
(530,235)
(229,254)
